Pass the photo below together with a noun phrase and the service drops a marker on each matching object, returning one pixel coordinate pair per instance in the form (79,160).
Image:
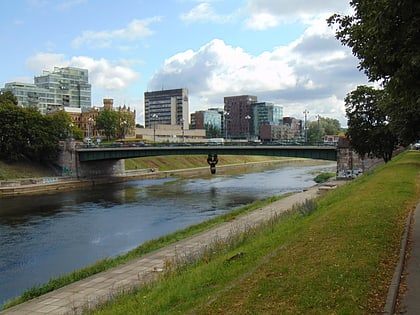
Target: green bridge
(112,153)
(108,161)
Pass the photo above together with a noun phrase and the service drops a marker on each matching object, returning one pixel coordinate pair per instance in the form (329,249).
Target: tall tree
(108,122)
(385,37)
(317,129)
(369,130)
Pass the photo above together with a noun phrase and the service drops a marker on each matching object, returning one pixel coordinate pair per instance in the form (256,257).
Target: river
(46,236)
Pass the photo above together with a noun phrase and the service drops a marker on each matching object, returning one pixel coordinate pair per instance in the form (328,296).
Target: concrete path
(101,287)
(410,302)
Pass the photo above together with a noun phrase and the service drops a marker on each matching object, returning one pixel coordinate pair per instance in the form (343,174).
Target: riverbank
(44,185)
(339,257)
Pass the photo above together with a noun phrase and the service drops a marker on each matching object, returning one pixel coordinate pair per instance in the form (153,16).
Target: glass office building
(62,87)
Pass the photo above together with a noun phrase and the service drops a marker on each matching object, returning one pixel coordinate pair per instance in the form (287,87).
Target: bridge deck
(113,153)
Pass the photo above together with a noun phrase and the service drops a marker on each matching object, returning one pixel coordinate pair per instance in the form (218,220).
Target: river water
(49,235)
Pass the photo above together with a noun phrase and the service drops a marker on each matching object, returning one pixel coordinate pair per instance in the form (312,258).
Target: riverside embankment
(339,259)
(44,236)
(24,186)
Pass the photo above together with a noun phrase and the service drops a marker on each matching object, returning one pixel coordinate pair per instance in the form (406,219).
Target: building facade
(238,115)
(86,120)
(267,114)
(210,120)
(62,87)
(166,107)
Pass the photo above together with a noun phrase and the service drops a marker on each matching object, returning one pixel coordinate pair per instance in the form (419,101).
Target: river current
(47,236)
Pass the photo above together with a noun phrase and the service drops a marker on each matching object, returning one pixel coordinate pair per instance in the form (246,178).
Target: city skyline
(282,52)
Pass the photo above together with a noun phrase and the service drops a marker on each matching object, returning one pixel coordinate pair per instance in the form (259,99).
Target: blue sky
(282,51)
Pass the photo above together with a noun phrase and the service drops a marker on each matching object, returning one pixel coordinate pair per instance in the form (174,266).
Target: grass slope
(338,259)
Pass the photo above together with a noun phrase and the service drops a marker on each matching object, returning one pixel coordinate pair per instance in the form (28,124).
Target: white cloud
(264,14)
(134,30)
(220,68)
(314,72)
(103,74)
(204,12)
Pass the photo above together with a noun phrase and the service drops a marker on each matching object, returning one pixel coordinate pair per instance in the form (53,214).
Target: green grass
(23,169)
(323,177)
(338,259)
(168,163)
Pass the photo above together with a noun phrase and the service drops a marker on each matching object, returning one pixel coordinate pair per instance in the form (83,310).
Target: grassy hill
(23,169)
(337,259)
(29,169)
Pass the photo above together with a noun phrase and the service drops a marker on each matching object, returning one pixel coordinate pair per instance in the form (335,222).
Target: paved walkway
(103,286)
(410,302)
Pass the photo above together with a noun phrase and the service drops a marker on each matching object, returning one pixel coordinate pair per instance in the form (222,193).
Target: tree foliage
(369,130)
(385,37)
(108,122)
(25,132)
(323,126)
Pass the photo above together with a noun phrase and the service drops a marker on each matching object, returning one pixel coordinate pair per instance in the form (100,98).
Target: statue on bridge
(212,161)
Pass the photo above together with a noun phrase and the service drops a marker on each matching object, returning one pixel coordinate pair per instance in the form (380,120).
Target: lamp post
(123,128)
(306,112)
(182,128)
(319,130)
(248,119)
(226,126)
(155,117)
(90,120)
(71,131)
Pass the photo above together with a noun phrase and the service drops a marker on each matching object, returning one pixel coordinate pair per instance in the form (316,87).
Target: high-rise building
(210,120)
(62,87)
(266,113)
(70,85)
(166,107)
(238,113)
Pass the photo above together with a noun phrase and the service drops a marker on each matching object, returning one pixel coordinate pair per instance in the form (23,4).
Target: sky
(281,51)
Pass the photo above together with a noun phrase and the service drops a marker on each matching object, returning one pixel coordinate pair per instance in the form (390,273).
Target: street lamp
(155,117)
(123,128)
(306,112)
(71,131)
(248,119)
(90,120)
(226,126)
(319,130)
(182,128)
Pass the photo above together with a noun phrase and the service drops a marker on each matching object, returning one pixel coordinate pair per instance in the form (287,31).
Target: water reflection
(46,236)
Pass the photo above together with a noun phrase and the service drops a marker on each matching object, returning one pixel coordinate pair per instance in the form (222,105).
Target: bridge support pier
(212,161)
(105,168)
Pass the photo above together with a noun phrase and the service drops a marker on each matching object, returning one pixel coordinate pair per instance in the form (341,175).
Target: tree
(323,126)
(62,124)
(369,130)
(25,132)
(108,122)
(125,123)
(385,37)
(7,97)
(12,141)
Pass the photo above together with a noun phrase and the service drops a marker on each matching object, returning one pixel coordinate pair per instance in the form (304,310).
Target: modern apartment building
(62,87)
(210,120)
(70,85)
(266,113)
(166,107)
(238,113)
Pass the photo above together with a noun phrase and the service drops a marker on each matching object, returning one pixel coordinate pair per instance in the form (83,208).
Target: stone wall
(349,163)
